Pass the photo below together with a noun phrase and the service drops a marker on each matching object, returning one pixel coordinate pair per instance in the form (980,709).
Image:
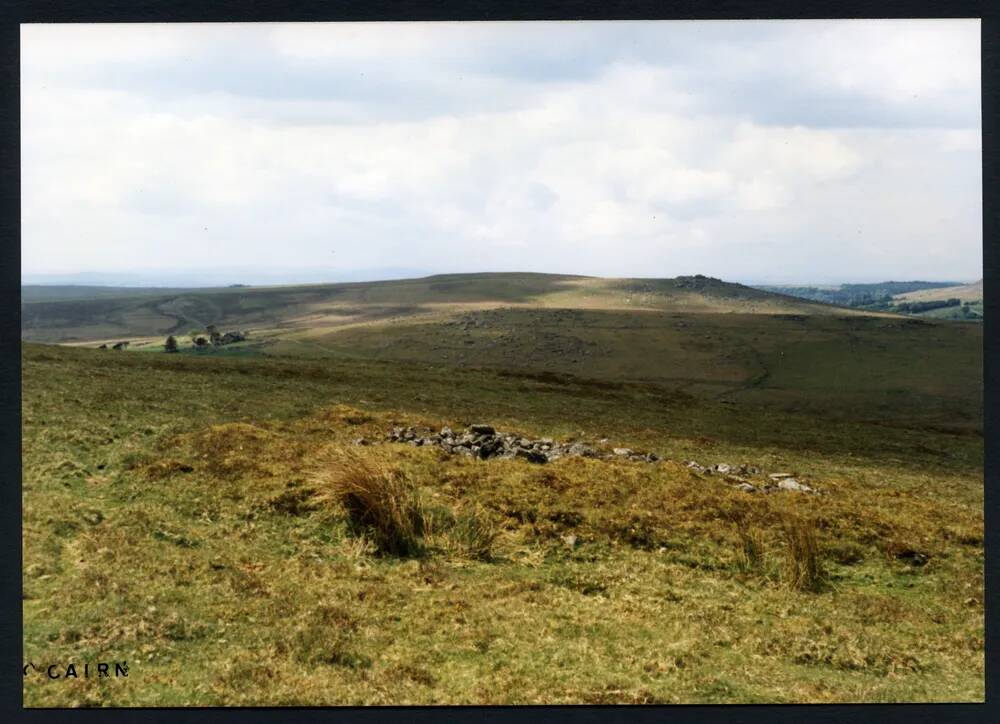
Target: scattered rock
(738,475)
(569,540)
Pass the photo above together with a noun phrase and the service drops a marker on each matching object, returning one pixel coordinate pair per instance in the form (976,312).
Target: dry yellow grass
(184,529)
(380,499)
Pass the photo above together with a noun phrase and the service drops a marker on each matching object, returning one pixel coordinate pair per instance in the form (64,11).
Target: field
(182,512)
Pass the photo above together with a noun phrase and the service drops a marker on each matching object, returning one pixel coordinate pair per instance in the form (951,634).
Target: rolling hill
(96,314)
(965,292)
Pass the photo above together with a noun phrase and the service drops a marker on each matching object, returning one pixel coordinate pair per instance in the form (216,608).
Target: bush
(171,344)
(380,499)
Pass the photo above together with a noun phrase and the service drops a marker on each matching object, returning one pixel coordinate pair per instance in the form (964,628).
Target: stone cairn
(484,442)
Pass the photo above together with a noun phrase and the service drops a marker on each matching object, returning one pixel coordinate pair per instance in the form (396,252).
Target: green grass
(177,516)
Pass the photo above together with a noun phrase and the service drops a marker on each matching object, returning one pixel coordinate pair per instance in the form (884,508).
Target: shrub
(380,499)
(803,571)
(171,344)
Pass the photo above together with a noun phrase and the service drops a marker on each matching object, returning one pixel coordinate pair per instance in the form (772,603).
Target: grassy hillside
(965,292)
(886,367)
(110,317)
(855,295)
(178,515)
(186,512)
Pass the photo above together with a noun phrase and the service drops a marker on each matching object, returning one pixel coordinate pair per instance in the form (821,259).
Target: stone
(779,476)
(746,488)
(722,468)
(622,451)
(578,449)
(794,485)
(532,456)
(482,429)
(569,540)
(361,441)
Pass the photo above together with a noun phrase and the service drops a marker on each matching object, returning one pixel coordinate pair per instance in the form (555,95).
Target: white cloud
(493,151)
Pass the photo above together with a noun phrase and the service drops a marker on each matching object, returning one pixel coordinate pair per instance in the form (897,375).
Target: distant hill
(964,292)
(856,295)
(86,313)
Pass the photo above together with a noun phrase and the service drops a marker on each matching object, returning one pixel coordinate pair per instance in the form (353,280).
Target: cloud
(751,150)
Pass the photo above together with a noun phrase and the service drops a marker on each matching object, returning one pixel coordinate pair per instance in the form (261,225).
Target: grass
(803,569)
(177,516)
(380,500)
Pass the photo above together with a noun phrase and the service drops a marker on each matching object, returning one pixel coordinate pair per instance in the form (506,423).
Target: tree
(200,342)
(171,344)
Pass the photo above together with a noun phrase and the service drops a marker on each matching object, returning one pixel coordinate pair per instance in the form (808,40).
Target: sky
(755,151)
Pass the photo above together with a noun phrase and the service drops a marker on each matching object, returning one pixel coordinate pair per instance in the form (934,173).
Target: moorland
(241,523)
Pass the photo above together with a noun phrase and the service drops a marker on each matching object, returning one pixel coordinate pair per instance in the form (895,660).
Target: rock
(361,441)
(779,476)
(578,449)
(722,468)
(621,451)
(746,488)
(569,540)
(490,448)
(482,429)
(446,432)
(532,456)
(793,484)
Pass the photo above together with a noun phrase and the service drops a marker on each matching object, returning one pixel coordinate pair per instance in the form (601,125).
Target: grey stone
(794,485)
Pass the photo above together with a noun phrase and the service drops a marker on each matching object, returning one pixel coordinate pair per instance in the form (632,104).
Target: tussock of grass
(802,571)
(380,499)
(750,552)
